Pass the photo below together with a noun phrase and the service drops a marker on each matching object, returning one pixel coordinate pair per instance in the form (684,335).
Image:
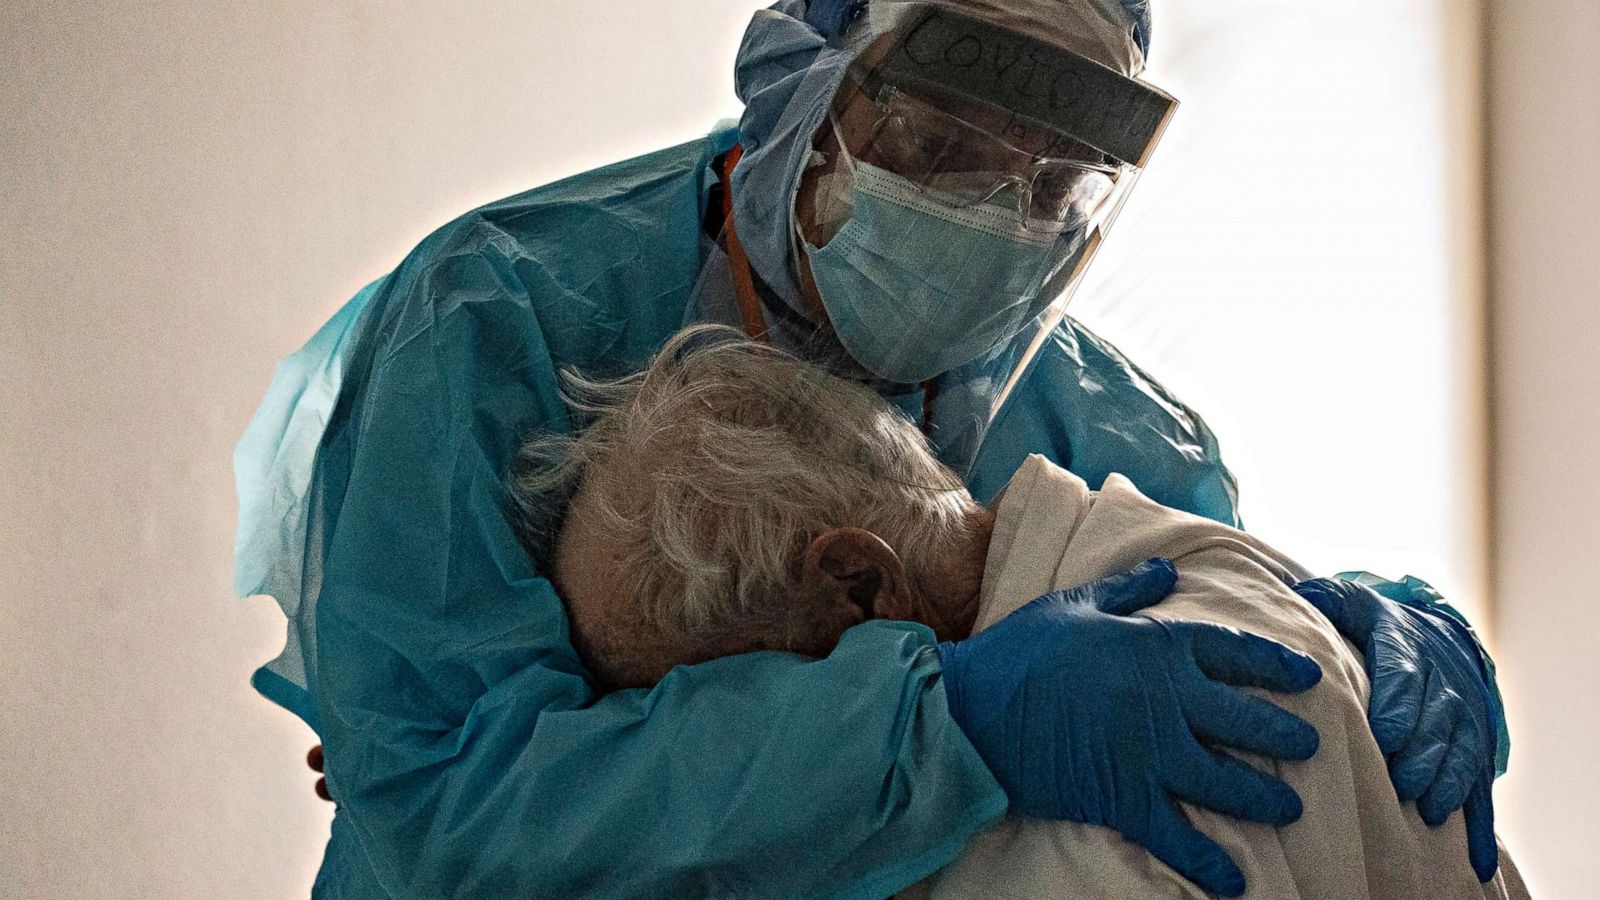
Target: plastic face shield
(1031,106)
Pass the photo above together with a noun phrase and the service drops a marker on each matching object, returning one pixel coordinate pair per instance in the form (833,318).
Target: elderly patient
(733,499)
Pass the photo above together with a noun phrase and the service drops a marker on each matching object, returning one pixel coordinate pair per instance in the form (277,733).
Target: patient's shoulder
(1225,576)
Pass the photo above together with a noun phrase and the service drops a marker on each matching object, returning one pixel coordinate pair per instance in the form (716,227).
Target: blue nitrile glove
(1086,713)
(1430,707)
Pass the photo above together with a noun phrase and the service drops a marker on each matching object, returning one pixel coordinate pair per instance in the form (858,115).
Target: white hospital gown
(1355,839)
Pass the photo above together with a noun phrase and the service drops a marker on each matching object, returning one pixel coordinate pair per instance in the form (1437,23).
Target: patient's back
(1354,840)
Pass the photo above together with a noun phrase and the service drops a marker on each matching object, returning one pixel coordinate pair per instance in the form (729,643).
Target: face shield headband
(937,51)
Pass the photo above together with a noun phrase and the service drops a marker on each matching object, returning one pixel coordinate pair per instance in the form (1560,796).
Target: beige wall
(187,190)
(1544,87)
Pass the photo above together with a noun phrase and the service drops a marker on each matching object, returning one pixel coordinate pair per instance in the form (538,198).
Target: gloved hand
(1429,710)
(1086,713)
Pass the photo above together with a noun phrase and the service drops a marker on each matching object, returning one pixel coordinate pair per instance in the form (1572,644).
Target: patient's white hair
(724,459)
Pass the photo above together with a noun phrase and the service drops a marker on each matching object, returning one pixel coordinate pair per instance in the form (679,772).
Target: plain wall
(1544,90)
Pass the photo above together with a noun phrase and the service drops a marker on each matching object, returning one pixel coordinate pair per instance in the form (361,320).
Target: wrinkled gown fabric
(1354,839)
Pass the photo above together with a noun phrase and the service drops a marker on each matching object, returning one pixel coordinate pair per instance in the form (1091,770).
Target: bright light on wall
(1300,264)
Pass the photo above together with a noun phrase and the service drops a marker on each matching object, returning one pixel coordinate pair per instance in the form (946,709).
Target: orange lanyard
(755,322)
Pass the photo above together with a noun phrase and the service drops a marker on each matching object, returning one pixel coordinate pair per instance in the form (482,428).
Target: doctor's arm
(763,774)
(853,775)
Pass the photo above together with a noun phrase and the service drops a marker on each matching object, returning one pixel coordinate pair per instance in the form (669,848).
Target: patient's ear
(853,571)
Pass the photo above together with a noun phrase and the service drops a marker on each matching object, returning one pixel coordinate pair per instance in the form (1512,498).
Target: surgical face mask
(915,285)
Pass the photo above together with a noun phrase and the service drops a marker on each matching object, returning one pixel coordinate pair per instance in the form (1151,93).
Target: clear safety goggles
(1059,183)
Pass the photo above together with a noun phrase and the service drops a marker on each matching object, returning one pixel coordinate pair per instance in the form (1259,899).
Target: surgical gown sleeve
(1089,409)
(465,746)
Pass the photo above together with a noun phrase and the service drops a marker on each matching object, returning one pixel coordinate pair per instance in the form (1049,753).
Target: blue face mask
(915,287)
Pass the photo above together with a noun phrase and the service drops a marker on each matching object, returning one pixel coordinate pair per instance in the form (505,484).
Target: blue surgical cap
(790,65)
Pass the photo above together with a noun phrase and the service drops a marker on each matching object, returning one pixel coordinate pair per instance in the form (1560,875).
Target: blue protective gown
(467,750)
